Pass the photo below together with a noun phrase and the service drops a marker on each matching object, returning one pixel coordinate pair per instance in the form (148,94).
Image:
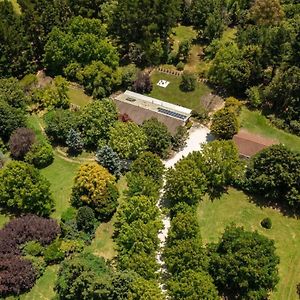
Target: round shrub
(266,223)
(53,253)
(40,155)
(85,219)
(38,264)
(20,142)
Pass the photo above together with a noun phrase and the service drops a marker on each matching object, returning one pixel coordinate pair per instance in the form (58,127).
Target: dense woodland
(109,46)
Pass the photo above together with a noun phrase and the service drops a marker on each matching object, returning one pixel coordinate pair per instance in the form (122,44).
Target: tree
(219,162)
(184,50)
(188,82)
(224,124)
(54,95)
(127,139)
(244,264)
(10,119)
(109,159)
(266,12)
(179,138)
(236,69)
(95,121)
(274,174)
(158,137)
(142,84)
(149,165)
(74,141)
(85,219)
(153,28)
(185,183)
(193,285)
(40,155)
(95,187)
(20,142)
(83,41)
(77,275)
(58,124)
(12,93)
(23,189)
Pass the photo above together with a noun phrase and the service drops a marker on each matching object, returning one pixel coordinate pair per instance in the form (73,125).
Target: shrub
(85,219)
(180,66)
(109,159)
(24,229)
(38,264)
(20,142)
(71,246)
(95,186)
(266,223)
(298,289)
(24,189)
(233,105)
(53,253)
(188,82)
(184,50)
(255,96)
(142,84)
(69,214)
(17,275)
(74,142)
(32,248)
(40,155)
(224,124)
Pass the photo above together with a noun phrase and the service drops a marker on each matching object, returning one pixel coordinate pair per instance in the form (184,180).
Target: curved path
(198,135)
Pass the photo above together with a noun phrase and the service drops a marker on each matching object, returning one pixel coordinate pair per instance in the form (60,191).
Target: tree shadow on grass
(262,202)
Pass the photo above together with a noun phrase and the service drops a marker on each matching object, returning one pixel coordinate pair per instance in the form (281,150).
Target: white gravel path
(198,135)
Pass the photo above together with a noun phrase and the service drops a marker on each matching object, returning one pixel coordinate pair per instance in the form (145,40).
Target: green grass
(182,33)
(173,94)
(34,122)
(255,122)
(60,174)
(3,219)
(235,207)
(44,287)
(77,96)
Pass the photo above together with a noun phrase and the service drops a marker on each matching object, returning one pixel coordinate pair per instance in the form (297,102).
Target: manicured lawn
(34,122)
(61,174)
(77,96)
(255,122)
(44,287)
(173,94)
(182,33)
(235,207)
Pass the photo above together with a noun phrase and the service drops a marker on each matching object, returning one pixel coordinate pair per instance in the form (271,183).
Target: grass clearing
(255,122)
(235,207)
(61,175)
(173,94)
(182,33)
(77,96)
(44,287)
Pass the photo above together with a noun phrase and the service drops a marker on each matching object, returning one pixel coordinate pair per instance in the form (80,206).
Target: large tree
(244,264)
(127,139)
(95,121)
(95,187)
(144,23)
(24,189)
(10,119)
(274,174)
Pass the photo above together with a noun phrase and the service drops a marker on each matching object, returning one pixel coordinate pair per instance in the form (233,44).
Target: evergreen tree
(109,159)
(74,141)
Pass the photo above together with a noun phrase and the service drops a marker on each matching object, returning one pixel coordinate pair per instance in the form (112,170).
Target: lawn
(235,207)
(77,96)
(255,122)
(173,94)
(182,33)
(60,174)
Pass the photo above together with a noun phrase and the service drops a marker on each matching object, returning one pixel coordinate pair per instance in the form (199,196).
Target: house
(249,144)
(140,108)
